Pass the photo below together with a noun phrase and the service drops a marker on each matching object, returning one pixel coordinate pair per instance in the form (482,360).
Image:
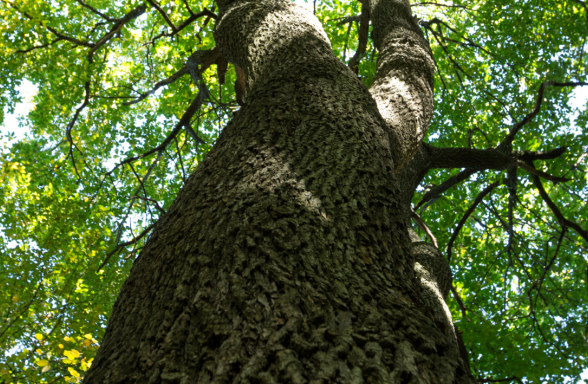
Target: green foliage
(66,206)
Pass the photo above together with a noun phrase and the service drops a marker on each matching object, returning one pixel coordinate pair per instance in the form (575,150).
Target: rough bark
(403,85)
(286,256)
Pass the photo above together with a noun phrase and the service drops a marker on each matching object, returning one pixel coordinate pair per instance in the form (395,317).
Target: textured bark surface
(286,257)
(403,85)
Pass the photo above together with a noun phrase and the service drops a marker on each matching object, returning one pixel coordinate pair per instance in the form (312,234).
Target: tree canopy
(132,95)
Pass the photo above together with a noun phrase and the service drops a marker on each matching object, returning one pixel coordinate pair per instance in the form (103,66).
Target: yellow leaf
(39,351)
(42,363)
(61,346)
(66,338)
(88,336)
(86,343)
(46,368)
(67,361)
(75,353)
(73,372)
(38,336)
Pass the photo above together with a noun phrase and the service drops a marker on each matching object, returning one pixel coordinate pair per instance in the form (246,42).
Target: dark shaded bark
(286,257)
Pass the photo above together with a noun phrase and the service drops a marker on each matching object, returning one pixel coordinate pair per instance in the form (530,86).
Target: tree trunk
(286,256)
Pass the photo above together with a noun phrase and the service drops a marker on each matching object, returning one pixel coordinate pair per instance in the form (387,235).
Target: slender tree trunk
(286,257)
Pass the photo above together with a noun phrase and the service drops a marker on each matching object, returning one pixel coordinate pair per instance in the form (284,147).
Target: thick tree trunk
(286,257)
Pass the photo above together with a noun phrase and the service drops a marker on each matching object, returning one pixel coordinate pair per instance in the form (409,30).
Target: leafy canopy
(74,214)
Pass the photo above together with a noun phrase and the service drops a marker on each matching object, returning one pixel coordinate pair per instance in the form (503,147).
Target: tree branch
(184,120)
(542,174)
(122,245)
(116,28)
(94,10)
(424,226)
(467,158)
(489,380)
(435,192)
(556,211)
(465,217)
(548,155)
(364,28)
(163,14)
(38,46)
(203,58)
(538,102)
(438,5)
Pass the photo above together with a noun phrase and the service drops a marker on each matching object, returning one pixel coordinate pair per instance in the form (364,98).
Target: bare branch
(72,123)
(542,174)
(116,28)
(122,245)
(425,4)
(459,303)
(203,58)
(53,30)
(548,155)
(94,10)
(364,28)
(538,102)
(188,7)
(556,211)
(184,120)
(158,85)
(489,380)
(38,46)
(163,14)
(435,192)
(147,199)
(468,213)
(424,226)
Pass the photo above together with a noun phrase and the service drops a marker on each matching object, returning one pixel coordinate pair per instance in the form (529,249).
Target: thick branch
(403,84)
(548,155)
(467,158)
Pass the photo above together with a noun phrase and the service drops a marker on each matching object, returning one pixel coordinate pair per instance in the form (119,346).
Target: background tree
(117,128)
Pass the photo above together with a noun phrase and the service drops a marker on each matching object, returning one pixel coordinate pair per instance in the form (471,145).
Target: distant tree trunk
(286,257)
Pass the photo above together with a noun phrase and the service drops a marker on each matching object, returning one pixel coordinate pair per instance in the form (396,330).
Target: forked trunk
(286,256)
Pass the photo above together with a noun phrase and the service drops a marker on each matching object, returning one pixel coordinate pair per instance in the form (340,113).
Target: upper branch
(470,210)
(531,115)
(364,28)
(556,211)
(403,84)
(94,10)
(163,14)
